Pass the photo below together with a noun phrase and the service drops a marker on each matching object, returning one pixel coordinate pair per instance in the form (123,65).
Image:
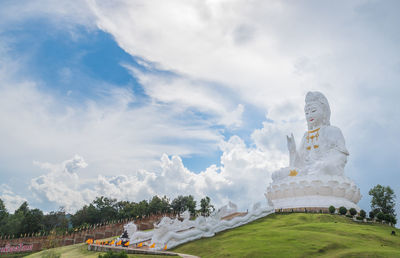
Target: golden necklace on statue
(311,136)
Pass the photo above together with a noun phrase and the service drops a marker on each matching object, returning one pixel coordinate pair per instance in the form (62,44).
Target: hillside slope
(300,235)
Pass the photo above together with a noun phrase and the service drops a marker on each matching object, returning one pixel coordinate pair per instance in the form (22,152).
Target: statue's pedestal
(311,191)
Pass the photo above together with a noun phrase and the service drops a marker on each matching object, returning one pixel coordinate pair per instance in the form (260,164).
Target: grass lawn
(300,235)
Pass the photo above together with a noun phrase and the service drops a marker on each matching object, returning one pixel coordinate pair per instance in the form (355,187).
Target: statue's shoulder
(334,136)
(331,130)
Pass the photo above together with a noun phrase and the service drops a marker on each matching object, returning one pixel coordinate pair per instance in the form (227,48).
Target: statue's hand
(291,144)
(292,149)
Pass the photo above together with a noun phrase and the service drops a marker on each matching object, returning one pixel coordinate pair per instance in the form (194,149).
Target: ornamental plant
(363,214)
(371,214)
(332,209)
(342,210)
(380,216)
(353,211)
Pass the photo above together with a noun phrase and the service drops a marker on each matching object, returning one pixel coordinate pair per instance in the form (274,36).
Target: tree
(55,220)
(3,217)
(155,205)
(32,222)
(383,200)
(342,210)
(332,209)
(106,207)
(182,203)
(363,214)
(380,216)
(371,214)
(353,211)
(205,207)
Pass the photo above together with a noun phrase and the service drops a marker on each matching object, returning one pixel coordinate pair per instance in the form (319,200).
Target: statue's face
(314,114)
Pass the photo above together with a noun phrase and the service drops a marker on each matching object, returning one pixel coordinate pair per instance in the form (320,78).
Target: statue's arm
(336,140)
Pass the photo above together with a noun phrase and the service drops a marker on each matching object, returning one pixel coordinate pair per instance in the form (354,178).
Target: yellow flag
(119,242)
(140,245)
(112,242)
(165,247)
(126,244)
(153,245)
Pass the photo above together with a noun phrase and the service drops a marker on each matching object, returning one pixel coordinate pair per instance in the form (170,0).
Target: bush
(342,210)
(349,216)
(359,218)
(332,209)
(353,211)
(393,219)
(111,254)
(363,214)
(380,216)
(371,214)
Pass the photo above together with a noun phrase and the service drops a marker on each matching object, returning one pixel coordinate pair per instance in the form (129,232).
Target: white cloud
(183,93)
(11,200)
(242,177)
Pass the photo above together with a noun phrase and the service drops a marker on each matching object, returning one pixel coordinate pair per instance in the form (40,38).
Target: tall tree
(383,200)
(3,218)
(182,203)
(205,206)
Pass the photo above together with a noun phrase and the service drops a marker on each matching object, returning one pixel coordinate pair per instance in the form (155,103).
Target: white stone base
(313,201)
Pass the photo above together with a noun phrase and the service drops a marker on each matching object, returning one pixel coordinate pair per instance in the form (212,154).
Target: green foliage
(380,216)
(393,220)
(205,206)
(342,210)
(363,214)
(182,203)
(111,254)
(371,214)
(383,199)
(359,218)
(332,209)
(353,211)
(55,221)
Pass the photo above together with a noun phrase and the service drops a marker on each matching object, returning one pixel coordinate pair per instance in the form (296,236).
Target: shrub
(393,219)
(363,214)
(371,214)
(349,216)
(332,209)
(380,216)
(342,210)
(359,218)
(111,254)
(353,211)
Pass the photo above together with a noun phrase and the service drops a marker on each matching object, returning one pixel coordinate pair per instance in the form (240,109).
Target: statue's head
(317,110)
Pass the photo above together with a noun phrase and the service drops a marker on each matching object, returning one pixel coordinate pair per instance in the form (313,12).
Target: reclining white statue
(315,176)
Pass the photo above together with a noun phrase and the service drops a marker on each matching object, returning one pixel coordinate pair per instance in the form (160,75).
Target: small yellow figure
(293,172)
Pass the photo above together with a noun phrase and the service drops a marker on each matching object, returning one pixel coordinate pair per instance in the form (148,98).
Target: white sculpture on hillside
(315,176)
(169,233)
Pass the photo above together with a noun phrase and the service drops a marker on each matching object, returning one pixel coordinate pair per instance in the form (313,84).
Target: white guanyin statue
(315,176)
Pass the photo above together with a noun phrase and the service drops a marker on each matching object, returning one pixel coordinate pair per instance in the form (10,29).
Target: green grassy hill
(286,235)
(300,235)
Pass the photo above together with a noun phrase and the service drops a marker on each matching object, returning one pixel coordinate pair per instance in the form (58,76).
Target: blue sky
(132,99)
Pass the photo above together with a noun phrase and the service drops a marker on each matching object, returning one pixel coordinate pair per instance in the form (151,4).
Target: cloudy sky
(131,99)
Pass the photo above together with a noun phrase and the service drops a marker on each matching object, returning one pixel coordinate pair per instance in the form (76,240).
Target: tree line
(102,209)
